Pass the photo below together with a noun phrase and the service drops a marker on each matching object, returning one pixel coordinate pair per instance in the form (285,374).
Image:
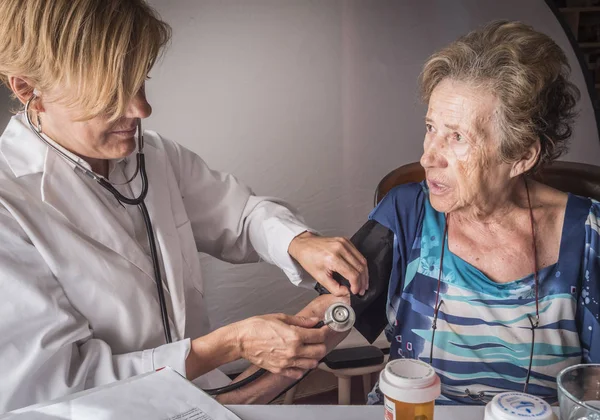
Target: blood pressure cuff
(376,243)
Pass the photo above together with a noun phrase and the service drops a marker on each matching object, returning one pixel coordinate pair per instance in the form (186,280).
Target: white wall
(313,101)
(255,88)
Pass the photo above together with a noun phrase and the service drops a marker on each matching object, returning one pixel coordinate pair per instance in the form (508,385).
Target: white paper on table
(162,395)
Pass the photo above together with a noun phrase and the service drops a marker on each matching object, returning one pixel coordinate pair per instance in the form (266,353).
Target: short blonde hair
(98,51)
(526,71)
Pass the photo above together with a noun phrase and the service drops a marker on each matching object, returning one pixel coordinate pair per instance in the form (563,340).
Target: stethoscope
(339,317)
(137,201)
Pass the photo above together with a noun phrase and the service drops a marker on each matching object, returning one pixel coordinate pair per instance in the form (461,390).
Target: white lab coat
(78,302)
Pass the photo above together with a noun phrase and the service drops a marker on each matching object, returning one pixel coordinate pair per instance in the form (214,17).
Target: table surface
(335,412)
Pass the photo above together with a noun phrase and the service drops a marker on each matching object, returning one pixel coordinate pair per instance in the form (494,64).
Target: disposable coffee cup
(516,405)
(410,388)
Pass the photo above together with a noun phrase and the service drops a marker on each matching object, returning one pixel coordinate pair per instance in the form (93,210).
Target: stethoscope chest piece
(339,317)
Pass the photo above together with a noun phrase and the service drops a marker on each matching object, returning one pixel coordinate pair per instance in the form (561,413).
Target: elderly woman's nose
(427,159)
(139,106)
(432,155)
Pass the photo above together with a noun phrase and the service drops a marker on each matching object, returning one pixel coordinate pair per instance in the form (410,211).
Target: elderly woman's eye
(428,127)
(458,137)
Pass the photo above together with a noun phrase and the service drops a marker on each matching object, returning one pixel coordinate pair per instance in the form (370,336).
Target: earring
(39,123)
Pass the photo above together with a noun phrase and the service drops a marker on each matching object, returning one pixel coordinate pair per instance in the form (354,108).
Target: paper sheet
(162,395)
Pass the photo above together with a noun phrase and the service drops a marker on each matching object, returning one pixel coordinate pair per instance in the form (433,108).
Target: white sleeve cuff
(281,232)
(172,355)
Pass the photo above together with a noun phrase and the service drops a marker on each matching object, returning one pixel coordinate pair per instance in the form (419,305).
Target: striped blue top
(483,340)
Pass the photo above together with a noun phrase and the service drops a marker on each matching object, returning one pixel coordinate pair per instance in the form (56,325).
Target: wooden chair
(576,178)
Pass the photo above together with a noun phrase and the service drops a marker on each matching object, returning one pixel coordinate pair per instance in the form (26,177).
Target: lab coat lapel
(67,193)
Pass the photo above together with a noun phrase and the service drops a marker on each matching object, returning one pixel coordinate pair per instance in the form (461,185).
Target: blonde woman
(79,293)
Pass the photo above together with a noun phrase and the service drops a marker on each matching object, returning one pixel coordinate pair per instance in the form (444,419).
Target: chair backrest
(576,178)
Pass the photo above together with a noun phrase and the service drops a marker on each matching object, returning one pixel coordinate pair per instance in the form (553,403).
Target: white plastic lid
(516,405)
(411,381)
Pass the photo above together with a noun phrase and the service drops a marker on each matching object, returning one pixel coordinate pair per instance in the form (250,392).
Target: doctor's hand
(321,256)
(282,344)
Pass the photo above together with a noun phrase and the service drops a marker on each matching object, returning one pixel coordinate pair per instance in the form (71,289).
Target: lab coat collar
(23,151)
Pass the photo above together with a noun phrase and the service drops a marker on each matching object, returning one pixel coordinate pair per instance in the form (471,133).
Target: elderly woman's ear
(528,161)
(23,91)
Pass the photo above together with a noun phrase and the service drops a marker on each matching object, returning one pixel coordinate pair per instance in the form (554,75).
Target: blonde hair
(527,72)
(98,52)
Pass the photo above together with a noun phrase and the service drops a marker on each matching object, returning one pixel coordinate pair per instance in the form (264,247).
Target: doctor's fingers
(358,262)
(354,274)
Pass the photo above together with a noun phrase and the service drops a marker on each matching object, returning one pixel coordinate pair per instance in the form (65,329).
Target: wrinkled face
(96,138)
(461,148)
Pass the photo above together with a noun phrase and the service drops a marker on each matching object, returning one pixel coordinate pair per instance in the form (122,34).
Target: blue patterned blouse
(483,340)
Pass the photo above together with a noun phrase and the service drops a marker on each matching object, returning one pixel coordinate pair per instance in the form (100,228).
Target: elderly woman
(90,291)
(504,268)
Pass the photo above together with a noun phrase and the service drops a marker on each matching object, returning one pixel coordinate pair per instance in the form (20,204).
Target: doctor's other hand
(282,344)
(322,256)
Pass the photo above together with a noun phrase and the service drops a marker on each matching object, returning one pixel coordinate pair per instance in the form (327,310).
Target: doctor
(79,306)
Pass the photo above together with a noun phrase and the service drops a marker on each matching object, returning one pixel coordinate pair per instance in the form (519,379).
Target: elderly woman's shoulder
(556,203)
(403,205)
(404,198)
(548,196)
(406,192)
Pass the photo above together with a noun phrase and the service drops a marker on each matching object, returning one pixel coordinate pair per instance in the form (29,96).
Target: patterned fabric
(483,340)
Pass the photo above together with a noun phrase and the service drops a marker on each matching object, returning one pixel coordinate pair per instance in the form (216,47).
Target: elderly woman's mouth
(436,188)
